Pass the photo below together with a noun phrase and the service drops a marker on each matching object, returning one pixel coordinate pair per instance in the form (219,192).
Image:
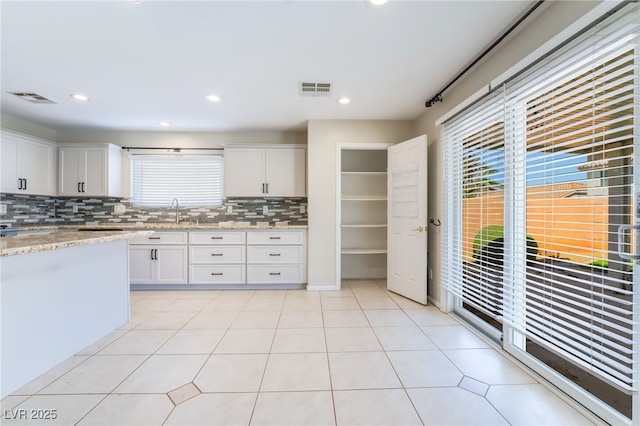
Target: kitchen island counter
(32,243)
(59,293)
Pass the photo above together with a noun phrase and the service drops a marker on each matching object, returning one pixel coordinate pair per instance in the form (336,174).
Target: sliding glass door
(542,200)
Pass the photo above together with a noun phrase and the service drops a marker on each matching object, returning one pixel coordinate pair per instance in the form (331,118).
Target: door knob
(419,229)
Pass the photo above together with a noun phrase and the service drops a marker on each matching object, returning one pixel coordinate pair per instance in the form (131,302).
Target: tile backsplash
(33,210)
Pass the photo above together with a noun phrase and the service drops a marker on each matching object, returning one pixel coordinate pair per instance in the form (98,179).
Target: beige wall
(555,17)
(180,139)
(21,126)
(323,136)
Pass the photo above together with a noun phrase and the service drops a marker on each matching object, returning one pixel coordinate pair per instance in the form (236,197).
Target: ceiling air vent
(315,89)
(34,98)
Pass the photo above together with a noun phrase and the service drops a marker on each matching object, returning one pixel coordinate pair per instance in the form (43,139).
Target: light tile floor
(360,356)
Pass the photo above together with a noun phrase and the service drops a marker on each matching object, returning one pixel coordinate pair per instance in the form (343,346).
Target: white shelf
(365,173)
(363,213)
(364,225)
(364,251)
(364,198)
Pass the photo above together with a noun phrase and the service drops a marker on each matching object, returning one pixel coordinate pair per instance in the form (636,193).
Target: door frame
(369,146)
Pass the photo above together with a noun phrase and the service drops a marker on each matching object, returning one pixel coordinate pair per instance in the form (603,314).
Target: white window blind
(564,133)
(473,147)
(195,180)
(575,114)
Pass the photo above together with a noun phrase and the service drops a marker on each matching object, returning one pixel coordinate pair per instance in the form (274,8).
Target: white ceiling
(141,64)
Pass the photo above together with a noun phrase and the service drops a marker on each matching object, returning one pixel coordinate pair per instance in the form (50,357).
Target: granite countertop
(165,225)
(23,244)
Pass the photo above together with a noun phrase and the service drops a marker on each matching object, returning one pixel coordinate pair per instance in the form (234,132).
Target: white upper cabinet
(90,170)
(265,172)
(28,165)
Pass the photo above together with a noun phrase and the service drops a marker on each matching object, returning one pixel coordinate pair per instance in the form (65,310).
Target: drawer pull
(154,238)
(275,273)
(274,254)
(216,254)
(217,273)
(217,238)
(274,238)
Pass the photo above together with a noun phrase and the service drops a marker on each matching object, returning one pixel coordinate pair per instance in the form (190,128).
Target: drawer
(276,237)
(275,254)
(216,254)
(216,274)
(271,274)
(216,237)
(161,237)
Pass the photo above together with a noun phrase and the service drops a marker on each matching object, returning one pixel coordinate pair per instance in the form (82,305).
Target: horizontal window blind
(473,165)
(538,176)
(574,113)
(195,180)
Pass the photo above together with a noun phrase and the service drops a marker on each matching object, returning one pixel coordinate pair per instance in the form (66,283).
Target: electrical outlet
(303,209)
(118,209)
(229,209)
(74,208)
(3,209)
(265,209)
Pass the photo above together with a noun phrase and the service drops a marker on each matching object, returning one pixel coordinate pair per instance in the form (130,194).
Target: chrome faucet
(175,201)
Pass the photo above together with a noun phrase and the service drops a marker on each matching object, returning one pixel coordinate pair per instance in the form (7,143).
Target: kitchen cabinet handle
(274,254)
(156,250)
(216,254)
(79,188)
(216,273)
(25,185)
(154,238)
(152,255)
(275,273)
(217,238)
(263,188)
(267,191)
(20,183)
(83,190)
(275,238)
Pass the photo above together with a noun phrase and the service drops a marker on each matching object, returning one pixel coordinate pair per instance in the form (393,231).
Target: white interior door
(407,219)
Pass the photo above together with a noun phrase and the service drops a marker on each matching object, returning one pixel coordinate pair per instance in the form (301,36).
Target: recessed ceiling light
(165,124)
(79,97)
(344,101)
(378,2)
(213,98)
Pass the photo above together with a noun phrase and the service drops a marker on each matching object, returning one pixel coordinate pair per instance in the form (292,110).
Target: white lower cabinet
(225,257)
(276,257)
(217,257)
(161,258)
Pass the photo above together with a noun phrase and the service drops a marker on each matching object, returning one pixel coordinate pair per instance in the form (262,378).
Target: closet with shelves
(363,211)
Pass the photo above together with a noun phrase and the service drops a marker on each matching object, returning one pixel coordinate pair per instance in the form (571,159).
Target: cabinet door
(36,164)
(286,172)
(70,170)
(171,265)
(27,166)
(141,265)
(94,171)
(244,172)
(9,164)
